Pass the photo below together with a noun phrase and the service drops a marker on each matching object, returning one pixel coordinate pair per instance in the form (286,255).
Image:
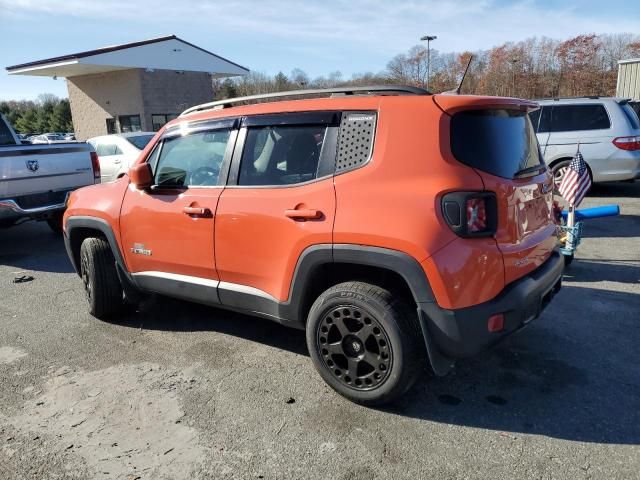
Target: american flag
(576,181)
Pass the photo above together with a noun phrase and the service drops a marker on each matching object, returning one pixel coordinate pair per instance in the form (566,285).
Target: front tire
(364,342)
(100,278)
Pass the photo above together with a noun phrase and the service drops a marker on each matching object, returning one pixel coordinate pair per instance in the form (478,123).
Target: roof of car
(121,135)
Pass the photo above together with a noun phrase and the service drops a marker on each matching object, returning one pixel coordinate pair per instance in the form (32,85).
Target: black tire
(101,284)
(568,259)
(556,173)
(365,343)
(55,222)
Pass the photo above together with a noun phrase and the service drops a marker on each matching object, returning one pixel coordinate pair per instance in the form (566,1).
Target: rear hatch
(494,136)
(30,169)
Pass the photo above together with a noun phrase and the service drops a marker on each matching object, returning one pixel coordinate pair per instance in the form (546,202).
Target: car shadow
(572,374)
(569,375)
(615,189)
(34,246)
(168,314)
(620,226)
(622,271)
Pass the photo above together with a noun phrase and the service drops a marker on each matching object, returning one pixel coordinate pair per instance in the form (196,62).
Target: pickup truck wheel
(100,278)
(364,342)
(55,222)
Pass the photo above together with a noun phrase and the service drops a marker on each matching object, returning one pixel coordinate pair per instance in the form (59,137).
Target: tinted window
(631,116)
(192,160)
(130,123)
(568,118)
(107,149)
(139,141)
(535,118)
(500,142)
(281,155)
(5,134)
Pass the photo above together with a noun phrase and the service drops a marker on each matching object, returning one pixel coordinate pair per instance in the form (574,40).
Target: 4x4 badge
(140,250)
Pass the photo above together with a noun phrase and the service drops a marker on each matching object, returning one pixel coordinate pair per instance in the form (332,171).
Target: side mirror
(141,175)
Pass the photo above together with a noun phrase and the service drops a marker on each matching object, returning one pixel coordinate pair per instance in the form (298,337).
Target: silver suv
(607,129)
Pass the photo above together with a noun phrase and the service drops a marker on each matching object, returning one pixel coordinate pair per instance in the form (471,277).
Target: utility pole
(428,39)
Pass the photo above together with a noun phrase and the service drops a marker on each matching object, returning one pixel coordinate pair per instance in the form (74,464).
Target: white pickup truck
(36,180)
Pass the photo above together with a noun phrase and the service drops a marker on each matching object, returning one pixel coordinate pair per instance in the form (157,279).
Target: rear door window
(567,118)
(5,134)
(497,141)
(281,155)
(108,149)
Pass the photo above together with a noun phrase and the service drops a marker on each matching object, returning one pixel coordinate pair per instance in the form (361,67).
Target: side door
(110,161)
(167,231)
(587,124)
(280,200)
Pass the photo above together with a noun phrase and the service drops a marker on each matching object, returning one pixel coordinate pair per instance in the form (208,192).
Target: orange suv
(393,225)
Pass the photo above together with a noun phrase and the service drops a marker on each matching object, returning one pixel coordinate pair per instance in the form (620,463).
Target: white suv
(607,129)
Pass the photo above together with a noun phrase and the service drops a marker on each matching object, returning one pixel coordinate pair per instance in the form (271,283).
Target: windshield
(497,141)
(5,134)
(139,141)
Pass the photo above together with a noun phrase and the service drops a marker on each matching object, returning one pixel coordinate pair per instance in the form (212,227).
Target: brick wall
(96,97)
(168,92)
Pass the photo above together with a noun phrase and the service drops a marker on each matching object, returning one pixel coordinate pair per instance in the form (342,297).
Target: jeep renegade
(394,226)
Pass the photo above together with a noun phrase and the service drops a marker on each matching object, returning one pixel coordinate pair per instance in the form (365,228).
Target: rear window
(499,142)
(139,141)
(567,118)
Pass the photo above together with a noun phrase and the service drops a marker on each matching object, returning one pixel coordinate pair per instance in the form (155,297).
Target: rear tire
(568,259)
(365,343)
(55,222)
(98,271)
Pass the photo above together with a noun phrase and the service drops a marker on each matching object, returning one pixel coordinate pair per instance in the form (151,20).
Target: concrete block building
(136,86)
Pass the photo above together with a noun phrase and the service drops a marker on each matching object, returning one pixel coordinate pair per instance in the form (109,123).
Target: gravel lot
(183,391)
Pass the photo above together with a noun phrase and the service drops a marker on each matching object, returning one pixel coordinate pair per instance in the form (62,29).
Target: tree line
(533,68)
(47,113)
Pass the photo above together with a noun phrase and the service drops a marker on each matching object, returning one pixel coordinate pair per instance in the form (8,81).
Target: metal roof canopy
(163,53)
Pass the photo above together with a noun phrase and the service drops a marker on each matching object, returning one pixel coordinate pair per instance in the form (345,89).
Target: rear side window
(567,118)
(139,141)
(631,115)
(107,149)
(281,155)
(499,142)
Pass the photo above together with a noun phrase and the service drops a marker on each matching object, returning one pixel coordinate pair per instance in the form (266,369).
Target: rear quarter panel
(394,202)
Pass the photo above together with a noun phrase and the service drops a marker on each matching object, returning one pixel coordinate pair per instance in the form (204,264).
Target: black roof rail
(369,90)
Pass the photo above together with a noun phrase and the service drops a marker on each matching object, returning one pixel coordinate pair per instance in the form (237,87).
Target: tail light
(471,214)
(627,143)
(95,164)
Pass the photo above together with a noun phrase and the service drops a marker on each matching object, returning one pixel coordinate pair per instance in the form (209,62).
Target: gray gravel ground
(183,391)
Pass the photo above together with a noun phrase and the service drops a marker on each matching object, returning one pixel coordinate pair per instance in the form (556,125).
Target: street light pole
(428,38)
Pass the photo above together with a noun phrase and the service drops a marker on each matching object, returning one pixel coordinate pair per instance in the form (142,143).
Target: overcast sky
(268,36)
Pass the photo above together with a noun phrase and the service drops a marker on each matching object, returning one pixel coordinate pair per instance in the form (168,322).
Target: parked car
(391,224)
(117,152)
(48,138)
(36,180)
(70,137)
(607,129)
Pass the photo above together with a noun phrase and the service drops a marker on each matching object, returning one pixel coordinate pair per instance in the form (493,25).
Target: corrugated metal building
(629,79)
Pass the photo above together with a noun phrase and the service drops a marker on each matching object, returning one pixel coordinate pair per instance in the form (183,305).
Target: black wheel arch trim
(93,223)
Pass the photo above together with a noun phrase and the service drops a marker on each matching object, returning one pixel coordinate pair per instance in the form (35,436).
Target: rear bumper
(17,207)
(463,332)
